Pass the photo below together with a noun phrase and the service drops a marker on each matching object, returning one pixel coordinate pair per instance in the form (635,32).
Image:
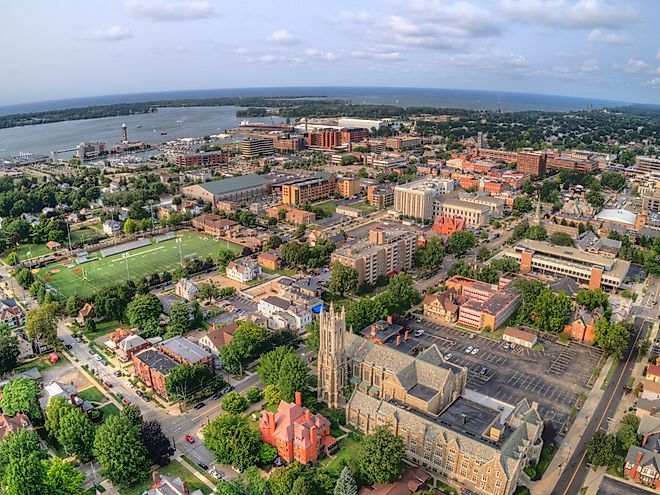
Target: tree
(272,395)
(343,279)
(248,341)
(381,459)
(111,301)
(463,269)
(506,265)
(224,257)
(612,180)
(483,254)
(313,338)
(76,433)
(429,256)
(63,478)
(234,403)
(601,449)
(207,292)
(144,312)
(233,441)
(12,259)
(561,239)
(73,305)
(592,299)
(180,320)
(9,350)
(159,447)
(461,241)
(130,226)
(488,275)
(612,338)
(522,204)
(119,449)
(20,395)
(346,484)
(285,369)
(253,394)
(18,446)
(551,311)
(283,480)
(25,476)
(41,322)
(627,435)
(24,277)
(536,233)
(401,294)
(364,312)
(595,199)
(133,414)
(187,381)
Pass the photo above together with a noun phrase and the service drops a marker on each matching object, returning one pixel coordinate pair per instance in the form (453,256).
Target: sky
(607,49)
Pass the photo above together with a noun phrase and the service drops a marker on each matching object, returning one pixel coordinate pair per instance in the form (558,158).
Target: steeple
(332,361)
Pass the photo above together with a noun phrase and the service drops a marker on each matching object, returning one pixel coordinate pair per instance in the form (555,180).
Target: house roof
(186,349)
(276,301)
(157,360)
(516,333)
(11,424)
(131,342)
(651,386)
(221,336)
(86,310)
(653,370)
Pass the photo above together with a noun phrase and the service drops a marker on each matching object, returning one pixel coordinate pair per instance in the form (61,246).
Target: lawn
(174,469)
(109,410)
(41,363)
(363,206)
(92,394)
(35,250)
(348,450)
(87,278)
(329,206)
(85,234)
(102,328)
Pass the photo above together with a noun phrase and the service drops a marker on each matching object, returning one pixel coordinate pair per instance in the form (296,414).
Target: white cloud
(158,10)
(329,56)
(654,83)
(113,33)
(392,56)
(241,51)
(267,58)
(634,66)
(608,38)
(570,14)
(311,52)
(282,37)
(590,65)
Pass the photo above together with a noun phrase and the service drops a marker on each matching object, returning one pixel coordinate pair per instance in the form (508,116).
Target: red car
(189,439)
(126,400)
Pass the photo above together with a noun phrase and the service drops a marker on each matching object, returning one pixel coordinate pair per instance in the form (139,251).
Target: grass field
(160,257)
(175,469)
(92,394)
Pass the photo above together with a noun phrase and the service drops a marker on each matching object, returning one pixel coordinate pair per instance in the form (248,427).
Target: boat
(139,125)
(163,134)
(179,121)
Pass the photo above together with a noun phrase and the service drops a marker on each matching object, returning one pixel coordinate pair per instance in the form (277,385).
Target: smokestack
(398,340)
(298,398)
(405,335)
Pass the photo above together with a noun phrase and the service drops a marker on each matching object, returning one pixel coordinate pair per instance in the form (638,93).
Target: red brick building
(532,163)
(213,224)
(296,433)
(446,225)
(152,367)
(202,159)
(354,135)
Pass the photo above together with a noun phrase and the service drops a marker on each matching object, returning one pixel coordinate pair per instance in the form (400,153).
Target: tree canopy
(343,279)
(286,370)
(144,312)
(233,441)
(20,395)
(187,381)
(381,456)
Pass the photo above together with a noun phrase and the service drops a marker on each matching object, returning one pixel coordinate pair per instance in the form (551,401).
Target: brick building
(447,225)
(213,224)
(309,189)
(348,187)
(202,159)
(380,196)
(532,163)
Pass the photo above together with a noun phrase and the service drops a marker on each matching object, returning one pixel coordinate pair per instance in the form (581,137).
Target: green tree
(506,265)
(20,445)
(62,478)
(144,312)
(561,239)
(9,350)
(591,299)
(612,338)
(133,414)
(233,441)
(130,226)
(522,204)
(111,301)
(24,277)
(627,435)
(207,292)
(224,257)
(346,484)
(551,311)
(248,341)
(488,275)
(41,322)
(234,403)
(253,394)
(25,476)
(159,447)
(272,395)
(343,279)
(12,259)
(483,254)
(612,180)
(463,269)
(401,294)
(381,456)
(119,449)
(20,395)
(536,233)
(185,382)
(601,449)
(285,369)
(461,241)
(313,337)
(283,479)
(76,434)
(429,256)
(73,305)
(364,312)
(180,320)
(595,199)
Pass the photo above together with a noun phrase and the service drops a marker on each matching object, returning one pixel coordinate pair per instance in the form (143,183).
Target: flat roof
(185,348)
(472,418)
(233,184)
(466,205)
(567,252)
(157,361)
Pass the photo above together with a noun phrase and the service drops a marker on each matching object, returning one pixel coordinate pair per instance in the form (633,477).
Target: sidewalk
(546,484)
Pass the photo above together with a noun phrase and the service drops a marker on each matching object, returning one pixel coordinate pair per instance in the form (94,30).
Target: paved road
(575,471)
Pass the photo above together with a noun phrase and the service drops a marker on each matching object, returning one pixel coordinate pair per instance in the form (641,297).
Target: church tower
(332,362)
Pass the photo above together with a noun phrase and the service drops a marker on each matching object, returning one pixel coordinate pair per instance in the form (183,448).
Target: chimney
(374,330)
(312,435)
(398,340)
(308,415)
(271,421)
(298,399)
(405,335)
(389,320)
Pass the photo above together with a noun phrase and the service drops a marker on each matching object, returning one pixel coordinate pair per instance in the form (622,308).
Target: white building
(186,289)
(243,270)
(281,313)
(415,199)
(111,227)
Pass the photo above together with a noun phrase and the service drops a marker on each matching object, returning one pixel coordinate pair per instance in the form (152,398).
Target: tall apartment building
(385,251)
(415,199)
(568,163)
(647,164)
(380,196)
(403,143)
(252,147)
(476,444)
(651,200)
(324,138)
(309,189)
(202,159)
(348,187)
(93,149)
(533,163)
(499,155)
(474,214)
(354,134)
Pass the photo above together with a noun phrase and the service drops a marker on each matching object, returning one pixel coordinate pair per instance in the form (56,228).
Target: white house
(281,313)
(243,270)
(111,227)
(186,289)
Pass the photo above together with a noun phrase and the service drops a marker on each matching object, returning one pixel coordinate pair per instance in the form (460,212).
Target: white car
(468,350)
(129,385)
(418,333)
(216,474)
(97,357)
(448,356)
(474,351)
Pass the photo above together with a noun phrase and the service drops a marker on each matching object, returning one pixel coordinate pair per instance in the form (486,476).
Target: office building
(647,164)
(415,199)
(366,123)
(289,144)
(651,200)
(476,444)
(403,143)
(380,196)
(202,159)
(308,190)
(591,270)
(89,150)
(244,187)
(568,163)
(252,147)
(495,205)
(354,135)
(532,163)
(348,187)
(325,139)
(474,215)
(500,155)
(386,251)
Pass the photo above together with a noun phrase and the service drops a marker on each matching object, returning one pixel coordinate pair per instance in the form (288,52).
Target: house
(651,390)
(297,434)
(186,289)
(129,346)
(243,270)
(519,337)
(414,480)
(213,224)
(168,485)
(282,313)
(643,463)
(269,261)
(53,245)
(12,424)
(111,227)
(216,337)
(444,306)
(11,313)
(85,313)
(653,373)
(68,391)
(582,327)
(117,336)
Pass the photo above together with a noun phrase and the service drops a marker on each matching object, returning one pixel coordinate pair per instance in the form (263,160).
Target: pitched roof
(186,349)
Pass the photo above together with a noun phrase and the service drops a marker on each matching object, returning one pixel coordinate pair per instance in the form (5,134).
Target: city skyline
(587,48)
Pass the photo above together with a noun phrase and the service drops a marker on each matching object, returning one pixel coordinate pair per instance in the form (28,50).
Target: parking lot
(554,376)
(242,306)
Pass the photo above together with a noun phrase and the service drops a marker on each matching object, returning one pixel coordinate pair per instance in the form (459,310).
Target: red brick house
(582,327)
(152,367)
(446,225)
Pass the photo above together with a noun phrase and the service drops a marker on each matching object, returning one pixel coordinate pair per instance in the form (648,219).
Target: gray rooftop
(188,350)
(233,184)
(157,360)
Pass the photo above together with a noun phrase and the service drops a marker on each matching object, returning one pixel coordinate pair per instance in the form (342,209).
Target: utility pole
(128,274)
(178,241)
(68,233)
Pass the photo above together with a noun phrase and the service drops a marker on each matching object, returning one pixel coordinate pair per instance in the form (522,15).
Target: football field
(87,278)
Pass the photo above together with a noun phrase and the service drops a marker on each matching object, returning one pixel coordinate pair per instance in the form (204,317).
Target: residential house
(651,390)
(184,351)
(213,224)
(129,346)
(216,337)
(643,463)
(152,367)
(168,485)
(11,313)
(282,313)
(653,372)
(12,424)
(414,480)
(186,288)
(243,270)
(443,306)
(117,336)
(86,313)
(582,326)
(68,391)
(111,227)
(297,434)
(269,261)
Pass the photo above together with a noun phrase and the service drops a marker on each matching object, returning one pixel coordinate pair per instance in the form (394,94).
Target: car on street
(468,350)
(68,346)
(104,362)
(97,357)
(448,356)
(126,400)
(418,333)
(107,383)
(203,466)
(199,405)
(216,474)
(117,373)
(129,385)
(77,339)
(419,320)
(475,351)
(146,398)
(189,439)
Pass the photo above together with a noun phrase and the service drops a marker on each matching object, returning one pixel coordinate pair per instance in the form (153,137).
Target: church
(459,436)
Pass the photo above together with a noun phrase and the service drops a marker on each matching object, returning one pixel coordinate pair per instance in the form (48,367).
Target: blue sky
(595,48)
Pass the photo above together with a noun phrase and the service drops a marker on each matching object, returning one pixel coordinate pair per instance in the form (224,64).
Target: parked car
(468,350)
(199,405)
(505,346)
(77,339)
(117,373)
(203,466)
(68,346)
(472,335)
(146,398)
(448,356)
(126,400)
(475,351)
(216,474)
(97,357)
(129,385)
(418,333)
(483,370)
(189,439)
(107,383)
(104,362)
